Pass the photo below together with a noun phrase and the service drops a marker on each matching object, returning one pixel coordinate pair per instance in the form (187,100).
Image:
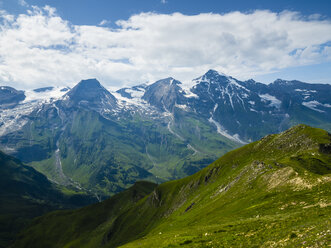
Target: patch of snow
(126,101)
(232,81)
(134,106)
(242,102)
(253,110)
(215,107)
(135,93)
(45,96)
(230,96)
(251,102)
(65,98)
(13,119)
(314,104)
(186,87)
(190,94)
(304,90)
(181,106)
(221,130)
(274,102)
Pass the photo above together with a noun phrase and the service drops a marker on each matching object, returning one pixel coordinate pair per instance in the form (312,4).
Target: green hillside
(271,193)
(25,194)
(83,227)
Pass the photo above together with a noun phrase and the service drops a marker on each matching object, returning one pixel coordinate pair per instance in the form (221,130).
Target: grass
(87,225)
(270,193)
(25,194)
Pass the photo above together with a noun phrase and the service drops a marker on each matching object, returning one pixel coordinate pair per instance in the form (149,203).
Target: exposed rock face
(91,93)
(165,94)
(9,97)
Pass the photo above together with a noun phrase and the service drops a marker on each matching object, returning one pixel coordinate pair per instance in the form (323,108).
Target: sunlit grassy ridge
(271,193)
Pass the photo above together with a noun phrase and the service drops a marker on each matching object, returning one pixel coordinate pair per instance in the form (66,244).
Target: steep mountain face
(43,89)
(227,103)
(25,194)
(304,103)
(9,97)
(248,110)
(272,192)
(90,94)
(165,94)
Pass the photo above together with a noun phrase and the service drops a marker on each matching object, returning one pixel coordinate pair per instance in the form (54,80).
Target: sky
(128,42)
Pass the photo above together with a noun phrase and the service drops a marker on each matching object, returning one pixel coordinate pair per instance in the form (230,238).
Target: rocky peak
(91,92)
(10,96)
(282,82)
(214,76)
(164,93)
(44,89)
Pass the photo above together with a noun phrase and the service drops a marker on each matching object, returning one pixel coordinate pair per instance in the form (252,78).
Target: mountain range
(103,142)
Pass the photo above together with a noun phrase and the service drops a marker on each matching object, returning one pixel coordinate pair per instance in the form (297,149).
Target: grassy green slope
(273,192)
(25,194)
(261,194)
(83,227)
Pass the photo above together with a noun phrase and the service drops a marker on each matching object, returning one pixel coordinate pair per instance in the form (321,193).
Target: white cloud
(164,1)
(40,48)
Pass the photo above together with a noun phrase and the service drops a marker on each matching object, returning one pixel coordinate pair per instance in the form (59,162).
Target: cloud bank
(39,48)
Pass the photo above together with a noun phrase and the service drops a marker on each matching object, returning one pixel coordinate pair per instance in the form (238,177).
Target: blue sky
(69,40)
(91,12)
